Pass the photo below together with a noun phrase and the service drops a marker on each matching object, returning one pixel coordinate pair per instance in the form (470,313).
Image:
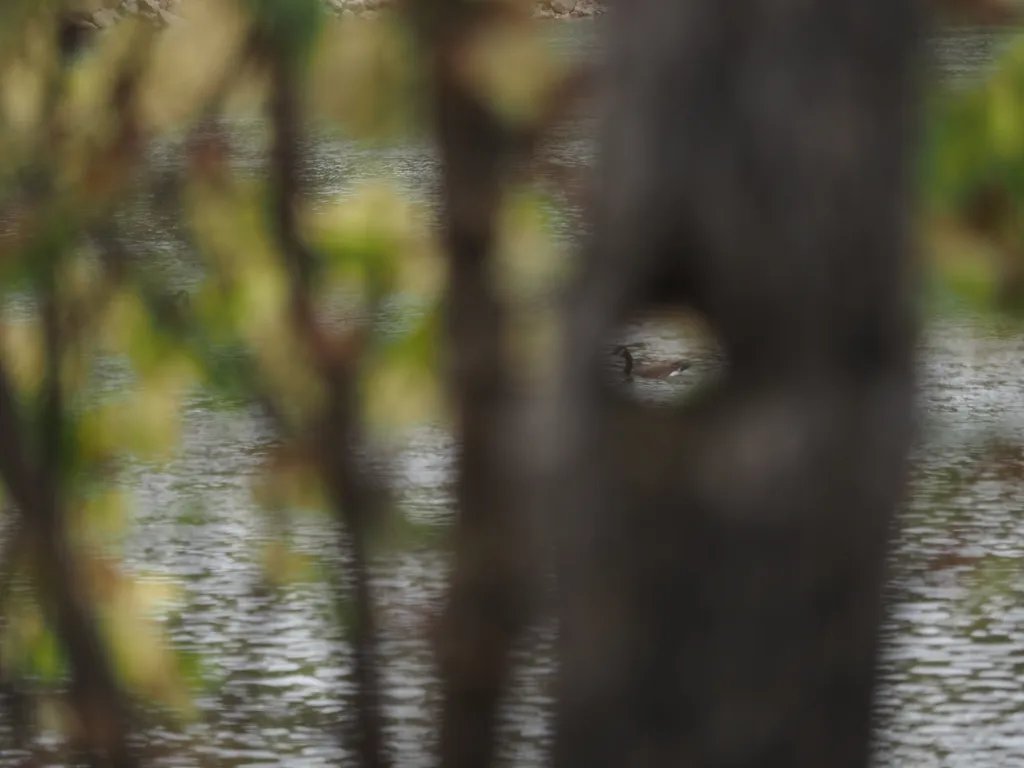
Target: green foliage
(973,189)
(30,647)
(75,140)
(364,80)
(292,25)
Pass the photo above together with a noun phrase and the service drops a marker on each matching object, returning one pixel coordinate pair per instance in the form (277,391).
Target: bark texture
(721,562)
(492,587)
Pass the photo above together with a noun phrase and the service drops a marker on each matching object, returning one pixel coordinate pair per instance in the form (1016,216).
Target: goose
(654,370)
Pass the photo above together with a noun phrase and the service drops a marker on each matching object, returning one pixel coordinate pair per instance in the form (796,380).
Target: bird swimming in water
(651,371)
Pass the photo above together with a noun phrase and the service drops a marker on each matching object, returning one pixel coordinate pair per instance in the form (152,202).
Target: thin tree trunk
(493,581)
(338,439)
(99,702)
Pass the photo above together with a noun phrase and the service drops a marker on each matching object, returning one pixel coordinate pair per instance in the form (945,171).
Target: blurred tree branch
(33,459)
(99,702)
(356,500)
(495,577)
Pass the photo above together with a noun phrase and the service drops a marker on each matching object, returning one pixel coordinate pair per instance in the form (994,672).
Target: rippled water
(279,673)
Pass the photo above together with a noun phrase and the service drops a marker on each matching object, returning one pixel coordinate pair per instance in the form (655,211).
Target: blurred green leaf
(294,25)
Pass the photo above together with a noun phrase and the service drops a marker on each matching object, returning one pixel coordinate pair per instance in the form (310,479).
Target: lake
(279,673)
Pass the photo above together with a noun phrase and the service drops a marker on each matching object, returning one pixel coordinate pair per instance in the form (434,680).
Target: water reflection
(952,694)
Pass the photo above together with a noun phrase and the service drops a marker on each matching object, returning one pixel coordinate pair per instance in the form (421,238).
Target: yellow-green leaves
(148,422)
(363,77)
(283,565)
(191,59)
(291,479)
(291,302)
(378,249)
(21,98)
(99,521)
(22,352)
(400,383)
(375,241)
(974,183)
(144,424)
(28,646)
(292,26)
(1004,120)
(509,67)
(142,654)
(965,268)
(246,296)
(528,259)
(529,269)
(92,81)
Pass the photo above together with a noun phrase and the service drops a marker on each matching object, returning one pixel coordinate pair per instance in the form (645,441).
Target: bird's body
(663,370)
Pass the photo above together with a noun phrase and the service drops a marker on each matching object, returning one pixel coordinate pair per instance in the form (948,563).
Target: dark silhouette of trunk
(33,462)
(34,481)
(493,581)
(356,496)
(721,562)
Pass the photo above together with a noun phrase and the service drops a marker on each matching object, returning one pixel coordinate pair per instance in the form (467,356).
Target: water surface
(951,690)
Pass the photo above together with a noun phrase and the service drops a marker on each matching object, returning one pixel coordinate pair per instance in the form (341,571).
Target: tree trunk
(721,562)
(492,586)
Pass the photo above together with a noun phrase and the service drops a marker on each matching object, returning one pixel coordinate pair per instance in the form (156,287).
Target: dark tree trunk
(356,496)
(492,586)
(721,562)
